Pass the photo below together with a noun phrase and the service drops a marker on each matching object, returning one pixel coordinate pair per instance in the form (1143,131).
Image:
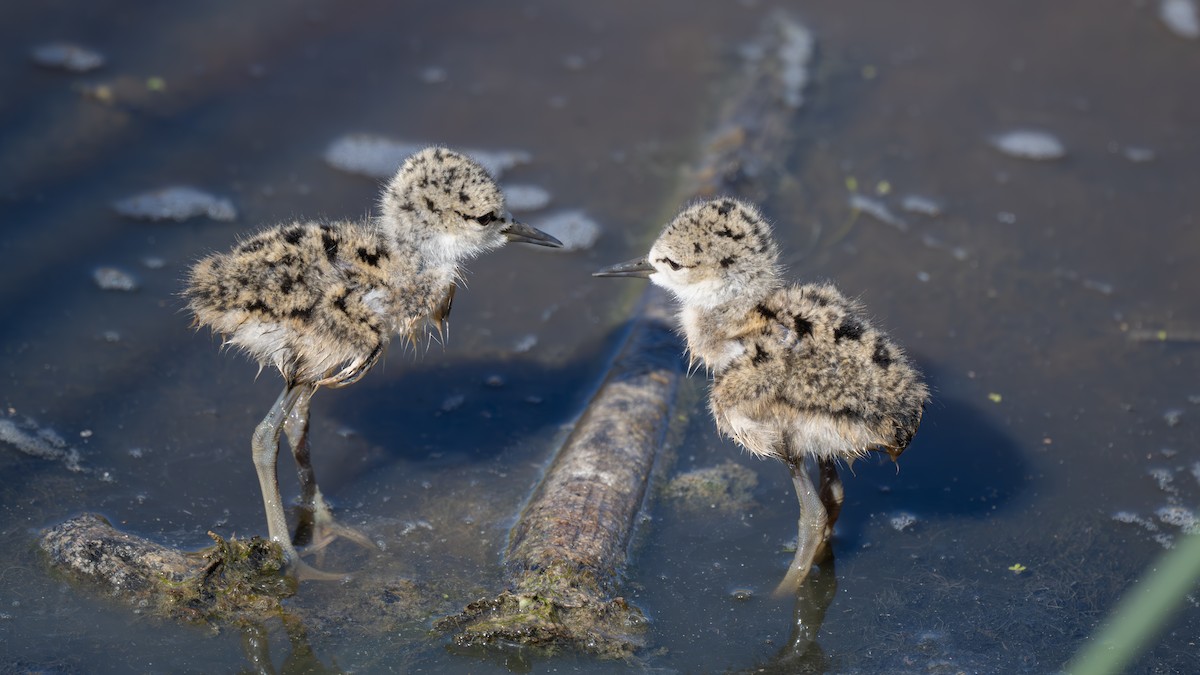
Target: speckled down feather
(796,369)
(320,301)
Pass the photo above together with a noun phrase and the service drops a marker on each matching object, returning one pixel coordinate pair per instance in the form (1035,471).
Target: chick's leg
(813,525)
(264,447)
(265,450)
(832,493)
(316,527)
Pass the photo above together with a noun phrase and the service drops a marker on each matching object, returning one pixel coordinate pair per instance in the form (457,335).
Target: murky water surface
(1051,303)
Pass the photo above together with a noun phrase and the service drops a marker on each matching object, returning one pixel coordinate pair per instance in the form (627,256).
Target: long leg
(812,526)
(315,513)
(296,428)
(265,450)
(832,493)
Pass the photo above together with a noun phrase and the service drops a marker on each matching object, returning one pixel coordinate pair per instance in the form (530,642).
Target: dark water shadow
(470,410)
(959,465)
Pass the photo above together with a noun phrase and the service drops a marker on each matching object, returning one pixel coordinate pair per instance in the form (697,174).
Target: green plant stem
(1142,612)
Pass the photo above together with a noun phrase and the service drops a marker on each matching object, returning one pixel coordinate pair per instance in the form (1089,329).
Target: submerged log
(568,549)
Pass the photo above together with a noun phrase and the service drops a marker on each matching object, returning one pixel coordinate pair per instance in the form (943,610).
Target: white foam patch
(1132,518)
(113,279)
(41,443)
(1178,516)
(453,402)
(575,229)
(522,198)
(1138,154)
(67,56)
(1165,481)
(380,157)
(525,343)
(175,203)
(796,53)
(1029,144)
(924,206)
(1180,17)
(877,210)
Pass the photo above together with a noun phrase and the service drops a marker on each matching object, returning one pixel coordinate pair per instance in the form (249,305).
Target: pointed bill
(633,268)
(520,232)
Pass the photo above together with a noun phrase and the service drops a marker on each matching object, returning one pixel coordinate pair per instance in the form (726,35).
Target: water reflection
(803,653)
(300,659)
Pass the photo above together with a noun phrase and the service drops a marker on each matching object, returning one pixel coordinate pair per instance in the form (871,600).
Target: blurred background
(1010,188)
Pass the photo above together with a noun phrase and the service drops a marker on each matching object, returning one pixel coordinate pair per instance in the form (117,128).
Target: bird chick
(797,371)
(320,302)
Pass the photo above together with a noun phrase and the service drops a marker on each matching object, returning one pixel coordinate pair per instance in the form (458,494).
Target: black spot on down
(293,235)
(252,246)
(849,328)
(339,301)
(803,326)
(369,257)
(760,355)
(767,313)
(330,243)
(882,356)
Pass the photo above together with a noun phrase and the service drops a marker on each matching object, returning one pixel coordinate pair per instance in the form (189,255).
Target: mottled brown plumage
(320,301)
(299,297)
(797,370)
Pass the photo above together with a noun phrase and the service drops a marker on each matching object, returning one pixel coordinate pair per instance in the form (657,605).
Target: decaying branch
(567,551)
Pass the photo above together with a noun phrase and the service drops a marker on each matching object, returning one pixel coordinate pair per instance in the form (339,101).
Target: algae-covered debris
(559,606)
(234,581)
(727,487)
(569,546)
(242,579)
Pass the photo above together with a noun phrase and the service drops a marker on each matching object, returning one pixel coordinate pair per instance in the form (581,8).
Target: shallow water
(1021,301)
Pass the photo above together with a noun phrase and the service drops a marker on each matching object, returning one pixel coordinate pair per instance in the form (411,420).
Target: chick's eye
(487,218)
(671,263)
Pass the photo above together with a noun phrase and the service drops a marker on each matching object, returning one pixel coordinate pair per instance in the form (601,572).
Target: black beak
(633,268)
(520,232)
